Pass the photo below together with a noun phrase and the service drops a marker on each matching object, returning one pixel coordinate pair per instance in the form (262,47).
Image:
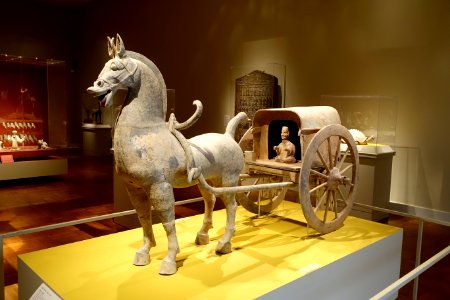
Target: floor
(87,190)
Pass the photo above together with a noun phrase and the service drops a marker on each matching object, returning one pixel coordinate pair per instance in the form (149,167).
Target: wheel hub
(335,179)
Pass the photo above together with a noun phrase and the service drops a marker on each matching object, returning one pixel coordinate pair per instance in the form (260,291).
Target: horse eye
(113,66)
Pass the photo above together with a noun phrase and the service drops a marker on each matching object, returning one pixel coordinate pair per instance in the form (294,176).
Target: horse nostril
(99,83)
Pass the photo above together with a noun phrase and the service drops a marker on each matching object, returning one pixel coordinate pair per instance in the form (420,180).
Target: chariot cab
(325,171)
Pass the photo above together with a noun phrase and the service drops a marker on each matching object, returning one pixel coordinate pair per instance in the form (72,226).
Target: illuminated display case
(32,102)
(374,116)
(33,117)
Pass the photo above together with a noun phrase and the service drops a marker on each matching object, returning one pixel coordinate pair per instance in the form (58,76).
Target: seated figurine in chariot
(286,149)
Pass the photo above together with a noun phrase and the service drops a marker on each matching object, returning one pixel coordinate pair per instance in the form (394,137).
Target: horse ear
(120,47)
(111,48)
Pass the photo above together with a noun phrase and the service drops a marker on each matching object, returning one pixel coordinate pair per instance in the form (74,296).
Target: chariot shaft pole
(243,189)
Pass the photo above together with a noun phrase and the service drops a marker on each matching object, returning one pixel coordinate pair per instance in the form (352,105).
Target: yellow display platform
(269,253)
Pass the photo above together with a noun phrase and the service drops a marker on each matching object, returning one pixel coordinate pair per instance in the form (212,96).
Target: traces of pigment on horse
(173,162)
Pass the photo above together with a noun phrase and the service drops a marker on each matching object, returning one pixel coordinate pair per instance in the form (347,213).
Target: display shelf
(29,161)
(274,257)
(44,166)
(33,152)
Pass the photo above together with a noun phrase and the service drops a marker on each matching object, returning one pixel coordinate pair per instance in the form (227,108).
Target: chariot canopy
(307,117)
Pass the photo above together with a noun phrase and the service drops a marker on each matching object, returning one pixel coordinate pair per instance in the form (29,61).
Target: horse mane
(157,73)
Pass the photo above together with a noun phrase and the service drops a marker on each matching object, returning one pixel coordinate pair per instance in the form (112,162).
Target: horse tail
(233,124)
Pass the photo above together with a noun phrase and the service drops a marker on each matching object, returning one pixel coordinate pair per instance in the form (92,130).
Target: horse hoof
(202,239)
(141,259)
(168,267)
(223,248)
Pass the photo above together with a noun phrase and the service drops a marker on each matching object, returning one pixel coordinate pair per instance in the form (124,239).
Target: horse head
(118,72)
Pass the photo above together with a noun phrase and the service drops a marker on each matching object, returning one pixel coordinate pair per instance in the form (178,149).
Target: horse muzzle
(102,90)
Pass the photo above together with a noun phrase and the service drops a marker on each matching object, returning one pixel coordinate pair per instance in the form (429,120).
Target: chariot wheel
(261,202)
(328,178)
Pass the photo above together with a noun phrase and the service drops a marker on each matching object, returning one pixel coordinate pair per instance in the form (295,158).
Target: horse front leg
(202,235)
(163,201)
(141,203)
(224,244)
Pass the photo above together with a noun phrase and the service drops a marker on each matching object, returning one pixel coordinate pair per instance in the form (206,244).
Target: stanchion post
(418,257)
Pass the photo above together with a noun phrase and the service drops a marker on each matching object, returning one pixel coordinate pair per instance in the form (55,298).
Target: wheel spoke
(321,200)
(254,183)
(326,208)
(343,158)
(323,161)
(338,149)
(260,201)
(330,158)
(346,168)
(318,187)
(342,196)
(319,174)
(333,194)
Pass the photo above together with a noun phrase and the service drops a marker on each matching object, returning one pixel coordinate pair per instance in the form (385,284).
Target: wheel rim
(328,178)
(261,201)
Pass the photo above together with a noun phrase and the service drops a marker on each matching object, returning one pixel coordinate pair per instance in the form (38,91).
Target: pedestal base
(274,257)
(96,139)
(43,166)
(374,185)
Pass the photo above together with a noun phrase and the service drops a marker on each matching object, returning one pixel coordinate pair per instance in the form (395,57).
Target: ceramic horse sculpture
(152,158)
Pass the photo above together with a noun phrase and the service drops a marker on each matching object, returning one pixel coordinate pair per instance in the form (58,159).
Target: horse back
(218,155)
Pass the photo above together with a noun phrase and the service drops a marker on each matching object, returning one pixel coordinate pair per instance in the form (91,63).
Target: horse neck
(145,103)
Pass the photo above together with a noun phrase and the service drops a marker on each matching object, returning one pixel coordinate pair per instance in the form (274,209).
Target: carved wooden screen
(254,91)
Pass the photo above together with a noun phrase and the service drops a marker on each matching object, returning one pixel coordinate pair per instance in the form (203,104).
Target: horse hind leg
(141,203)
(224,244)
(202,235)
